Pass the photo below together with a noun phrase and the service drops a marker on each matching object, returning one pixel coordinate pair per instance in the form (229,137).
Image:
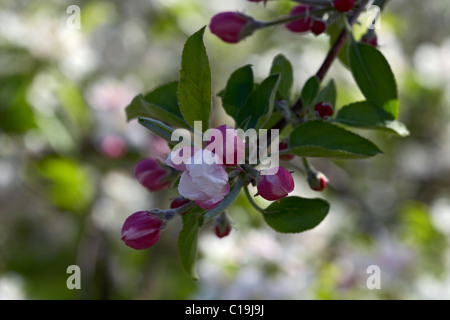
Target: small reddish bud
(370,39)
(277,183)
(316,180)
(344,5)
(288,156)
(318,27)
(179,202)
(323,110)
(303,24)
(222,225)
(231,26)
(150,173)
(141,230)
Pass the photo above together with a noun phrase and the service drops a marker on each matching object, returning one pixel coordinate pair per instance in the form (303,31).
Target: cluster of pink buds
(232,27)
(308,22)
(203,182)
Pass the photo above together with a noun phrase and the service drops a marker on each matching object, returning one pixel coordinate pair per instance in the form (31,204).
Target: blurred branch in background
(67,156)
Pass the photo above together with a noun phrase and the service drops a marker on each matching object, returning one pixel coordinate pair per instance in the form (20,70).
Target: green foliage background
(63,197)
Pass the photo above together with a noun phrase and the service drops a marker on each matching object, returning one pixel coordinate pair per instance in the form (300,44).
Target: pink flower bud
(226,144)
(275,186)
(285,157)
(316,180)
(230,26)
(150,173)
(323,110)
(179,202)
(344,5)
(141,230)
(303,24)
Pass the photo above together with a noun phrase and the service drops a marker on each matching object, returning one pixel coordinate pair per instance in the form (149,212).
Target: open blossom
(275,186)
(204,182)
(226,144)
(141,230)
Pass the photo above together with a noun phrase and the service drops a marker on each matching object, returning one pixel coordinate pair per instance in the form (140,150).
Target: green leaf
(282,66)
(259,105)
(239,87)
(310,90)
(295,214)
(187,241)
(327,93)
(374,77)
(161,104)
(322,139)
(194,88)
(363,114)
(158,128)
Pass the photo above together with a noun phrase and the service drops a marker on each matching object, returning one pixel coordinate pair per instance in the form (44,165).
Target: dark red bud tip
(317,181)
(318,27)
(228,26)
(285,157)
(323,110)
(222,232)
(141,230)
(302,24)
(179,202)
(344,5)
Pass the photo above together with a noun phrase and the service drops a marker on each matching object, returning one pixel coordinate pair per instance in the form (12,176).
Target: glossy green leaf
(327,93)
(374,77)
(259,106)
(322,139)
(310,90)
(282,66)
(161,104)
(363,114)
(157,127)
(295,214)
(194,88)
(187,242)
(239,87)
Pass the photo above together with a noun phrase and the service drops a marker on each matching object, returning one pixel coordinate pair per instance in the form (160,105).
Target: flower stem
(287,19)
(252,201)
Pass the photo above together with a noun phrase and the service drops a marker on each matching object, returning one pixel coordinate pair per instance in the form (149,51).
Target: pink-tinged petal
(187,188)
(178,159)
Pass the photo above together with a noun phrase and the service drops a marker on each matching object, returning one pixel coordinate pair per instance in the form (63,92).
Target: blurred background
(67,156)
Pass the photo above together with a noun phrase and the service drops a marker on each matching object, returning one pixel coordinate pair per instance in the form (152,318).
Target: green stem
(252,201)
(306,164)
(287,19)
